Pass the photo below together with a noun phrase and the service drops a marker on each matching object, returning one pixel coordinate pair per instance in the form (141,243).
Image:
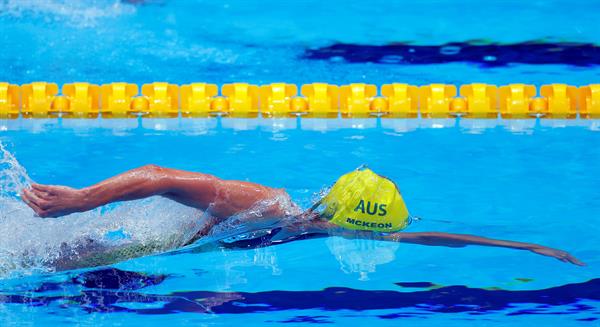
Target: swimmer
(361,204)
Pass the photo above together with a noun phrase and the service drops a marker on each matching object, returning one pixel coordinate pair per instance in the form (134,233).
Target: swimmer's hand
(555,253)
(54,201)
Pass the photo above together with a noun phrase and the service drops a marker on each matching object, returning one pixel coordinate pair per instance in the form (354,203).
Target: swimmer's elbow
(158,178)
(152,169)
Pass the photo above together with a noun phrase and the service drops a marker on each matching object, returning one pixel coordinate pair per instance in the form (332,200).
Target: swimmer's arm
(223,198)
(461,240)
(437,239)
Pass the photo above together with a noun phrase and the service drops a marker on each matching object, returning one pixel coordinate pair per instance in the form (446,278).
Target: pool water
(533,181)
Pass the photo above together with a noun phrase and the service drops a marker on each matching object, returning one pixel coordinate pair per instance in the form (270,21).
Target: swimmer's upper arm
(223,198)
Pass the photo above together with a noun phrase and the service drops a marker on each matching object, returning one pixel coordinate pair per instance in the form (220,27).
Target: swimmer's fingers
(558,254)
(568,258)
(41,194)
(52,201)
(571,259)
(39,187)
(51,192)
(30,199)
(47,189)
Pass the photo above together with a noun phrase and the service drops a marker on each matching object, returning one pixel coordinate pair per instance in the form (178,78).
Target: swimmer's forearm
(148,181)
(456,240)
(459,240)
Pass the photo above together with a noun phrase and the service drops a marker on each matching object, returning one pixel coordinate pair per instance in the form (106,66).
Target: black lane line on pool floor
(104,290)
(488,55)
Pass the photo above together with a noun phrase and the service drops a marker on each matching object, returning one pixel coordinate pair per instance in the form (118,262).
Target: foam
(30,244)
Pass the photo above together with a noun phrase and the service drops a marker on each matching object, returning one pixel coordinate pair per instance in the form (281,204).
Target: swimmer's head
(364,200)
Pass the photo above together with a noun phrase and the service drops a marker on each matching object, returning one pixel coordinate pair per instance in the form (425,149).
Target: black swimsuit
(266,240)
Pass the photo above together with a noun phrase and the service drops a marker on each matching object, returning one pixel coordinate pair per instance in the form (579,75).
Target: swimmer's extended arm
(460,240)
(206,192)
(434,239)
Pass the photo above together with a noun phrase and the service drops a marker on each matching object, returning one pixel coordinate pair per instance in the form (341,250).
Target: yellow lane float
(242,99)
(196,99)
(515,101)
(322,100)
(9,100)
(481,101)
(402,100)
(37,99)
(276,99)
(116,99)
(435,99)
(589,101)
(355,100)
(315,100)
(162,99)
(82,100)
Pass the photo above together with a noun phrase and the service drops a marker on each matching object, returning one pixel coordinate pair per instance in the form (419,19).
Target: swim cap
(364,200)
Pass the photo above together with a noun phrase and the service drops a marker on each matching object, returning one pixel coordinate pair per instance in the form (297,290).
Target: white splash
(113,233)
(245,224)
(29,244)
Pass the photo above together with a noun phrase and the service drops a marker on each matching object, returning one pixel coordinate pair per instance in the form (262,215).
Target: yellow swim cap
(363,200)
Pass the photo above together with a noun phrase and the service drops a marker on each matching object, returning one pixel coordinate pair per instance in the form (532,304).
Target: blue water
(532,181)
(261,42)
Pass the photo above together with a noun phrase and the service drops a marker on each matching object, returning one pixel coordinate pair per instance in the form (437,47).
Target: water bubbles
(361,256)
(31,245)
